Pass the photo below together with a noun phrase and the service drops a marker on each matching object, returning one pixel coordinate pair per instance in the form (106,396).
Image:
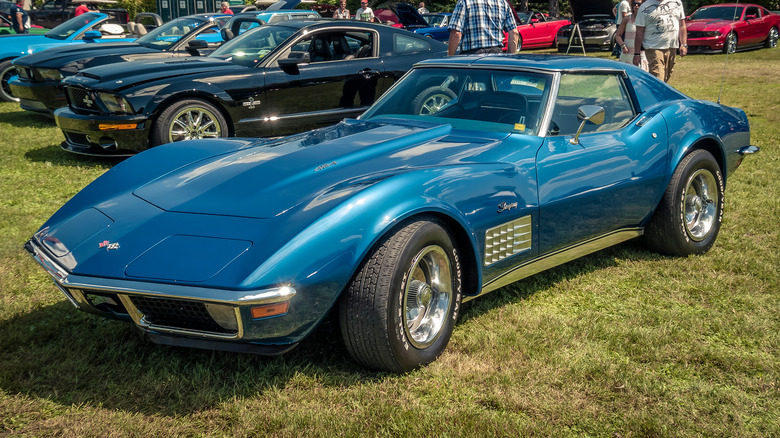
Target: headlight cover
(50,74)
(115,104)
(712,33)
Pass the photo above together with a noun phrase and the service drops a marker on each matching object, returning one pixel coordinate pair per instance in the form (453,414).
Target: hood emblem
(505,206)
(250,103)
(108,245)
(87,101)
(324,166)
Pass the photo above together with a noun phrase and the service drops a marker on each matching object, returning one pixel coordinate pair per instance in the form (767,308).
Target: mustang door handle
(369,73)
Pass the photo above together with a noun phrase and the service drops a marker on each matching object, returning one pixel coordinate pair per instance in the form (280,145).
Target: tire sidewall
(5,67)
(407,355)
(699,160)
(162,124)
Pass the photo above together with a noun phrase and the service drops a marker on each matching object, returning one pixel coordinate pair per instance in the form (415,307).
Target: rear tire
(399,310)
(188,119)
(689,216)
(6,71)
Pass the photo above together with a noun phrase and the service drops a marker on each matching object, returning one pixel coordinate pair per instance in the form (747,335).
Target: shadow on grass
(59,157)
(27,119)
(73,358)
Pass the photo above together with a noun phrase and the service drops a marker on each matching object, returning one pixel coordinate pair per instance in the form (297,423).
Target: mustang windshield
(487,100)
(718,13)
(70,27)
(251,47)
(164,36)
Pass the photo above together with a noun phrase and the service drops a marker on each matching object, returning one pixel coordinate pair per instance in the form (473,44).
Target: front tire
(771,38)
(730,46)
(188,119)
(689,216)
(7,70)
(399,311)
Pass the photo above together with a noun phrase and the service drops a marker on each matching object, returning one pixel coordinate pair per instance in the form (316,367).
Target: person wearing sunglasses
(625,36)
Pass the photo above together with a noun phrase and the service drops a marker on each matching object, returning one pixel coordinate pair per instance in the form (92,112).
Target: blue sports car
(469,174)
(92,27)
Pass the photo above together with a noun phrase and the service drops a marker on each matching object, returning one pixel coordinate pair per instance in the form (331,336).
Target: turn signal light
(270,310)
(116,126)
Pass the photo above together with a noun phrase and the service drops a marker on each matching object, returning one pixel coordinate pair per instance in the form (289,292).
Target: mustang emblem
(504,206)
(108,245)
(324,166)
(87,101)
(250,103)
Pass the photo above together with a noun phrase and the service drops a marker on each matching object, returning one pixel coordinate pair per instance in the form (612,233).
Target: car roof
(551,63)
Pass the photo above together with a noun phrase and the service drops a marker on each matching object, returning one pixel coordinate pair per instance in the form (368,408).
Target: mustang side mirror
(91,35)
(588,113)
(290,64)
(195,46)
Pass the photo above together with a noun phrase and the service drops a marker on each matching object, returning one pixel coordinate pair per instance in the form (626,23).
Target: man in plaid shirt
(478,26)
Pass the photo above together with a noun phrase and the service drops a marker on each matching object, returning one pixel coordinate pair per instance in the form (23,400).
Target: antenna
(726,59)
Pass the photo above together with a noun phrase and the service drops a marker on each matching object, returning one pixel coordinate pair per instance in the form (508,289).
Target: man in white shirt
(364,13)
(422,9)
(660,30)
(621,10)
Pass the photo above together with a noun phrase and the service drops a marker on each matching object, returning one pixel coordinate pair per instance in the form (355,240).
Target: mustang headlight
(115,104)
(712,33)
(50,74)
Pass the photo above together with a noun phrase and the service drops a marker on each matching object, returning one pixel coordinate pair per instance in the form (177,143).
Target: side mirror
(290,64)
(194,47)
(588,114)
(92,35)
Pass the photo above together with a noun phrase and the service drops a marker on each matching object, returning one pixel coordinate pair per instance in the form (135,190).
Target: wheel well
(216,102)
(711,146)
(468,262)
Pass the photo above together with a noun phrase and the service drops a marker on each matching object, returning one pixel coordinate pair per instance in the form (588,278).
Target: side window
(406,44)
(335,46)
(605,90)
(751,13)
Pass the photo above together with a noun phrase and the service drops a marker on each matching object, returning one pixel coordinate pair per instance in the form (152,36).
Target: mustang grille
(184,314)
(82,99)
(507,240)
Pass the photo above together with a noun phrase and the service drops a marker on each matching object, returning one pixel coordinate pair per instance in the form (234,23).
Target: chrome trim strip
(749,150)
(556,258)
(346,112)
(181,292)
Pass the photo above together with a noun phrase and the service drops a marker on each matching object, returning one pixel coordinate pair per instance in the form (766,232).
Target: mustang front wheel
(688,219)
(771,39)
(730,46)
(400,309)
(189,120)
(7,70)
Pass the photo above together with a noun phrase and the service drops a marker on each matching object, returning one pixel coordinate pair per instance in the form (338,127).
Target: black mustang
(270,81)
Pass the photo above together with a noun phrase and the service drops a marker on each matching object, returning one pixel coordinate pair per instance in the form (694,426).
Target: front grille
(697,34)
(77,139)
(82,99)
(183,314)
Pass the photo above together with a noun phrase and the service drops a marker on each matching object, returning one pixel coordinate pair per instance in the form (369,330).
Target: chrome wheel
(771,40)
(701,204)
(433,103)
(193,123)
(7,70)
(731,43)
(427,296)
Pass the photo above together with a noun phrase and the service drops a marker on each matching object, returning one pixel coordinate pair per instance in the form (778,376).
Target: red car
(730,27)
(537,30)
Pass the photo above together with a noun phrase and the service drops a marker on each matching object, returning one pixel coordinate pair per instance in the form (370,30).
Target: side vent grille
(507,240)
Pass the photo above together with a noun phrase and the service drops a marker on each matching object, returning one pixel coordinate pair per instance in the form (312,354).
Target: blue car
(92,27)
(438,26)
(469,174)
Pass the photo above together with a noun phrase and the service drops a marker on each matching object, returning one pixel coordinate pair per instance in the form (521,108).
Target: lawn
(624,342)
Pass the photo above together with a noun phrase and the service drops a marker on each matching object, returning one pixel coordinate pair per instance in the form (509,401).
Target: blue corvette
(467,175)
(92,27)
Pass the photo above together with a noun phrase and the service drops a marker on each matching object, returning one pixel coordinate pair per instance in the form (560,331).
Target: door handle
(369,73)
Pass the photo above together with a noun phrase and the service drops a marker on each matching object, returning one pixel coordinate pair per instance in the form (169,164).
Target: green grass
(620,343)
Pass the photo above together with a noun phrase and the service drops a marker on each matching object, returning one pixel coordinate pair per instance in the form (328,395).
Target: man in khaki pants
(661,31)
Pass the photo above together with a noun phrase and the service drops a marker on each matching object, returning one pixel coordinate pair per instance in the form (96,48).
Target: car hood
(704,25)
(17,45)
(115,77)
(58,56)
(581,8)
(304,171)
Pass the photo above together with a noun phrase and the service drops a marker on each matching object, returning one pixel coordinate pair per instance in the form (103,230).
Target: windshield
(164,36)
(469,98)
(71,26)
(251,47)
(434,20)
(719,13)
